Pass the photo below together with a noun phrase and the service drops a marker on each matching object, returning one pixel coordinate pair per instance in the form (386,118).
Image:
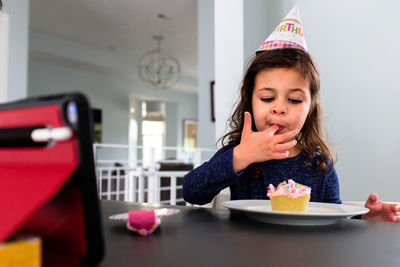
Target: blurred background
(148,68)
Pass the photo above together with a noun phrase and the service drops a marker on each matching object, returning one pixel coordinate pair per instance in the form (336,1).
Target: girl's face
(282,97)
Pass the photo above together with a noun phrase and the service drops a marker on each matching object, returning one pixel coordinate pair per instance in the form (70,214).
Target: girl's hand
(381,211)
(261,146)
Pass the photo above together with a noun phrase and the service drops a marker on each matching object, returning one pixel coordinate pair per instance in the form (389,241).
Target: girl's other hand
(261,146)
(381,211)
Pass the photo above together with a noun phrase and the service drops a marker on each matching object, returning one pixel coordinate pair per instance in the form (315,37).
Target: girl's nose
(279,109)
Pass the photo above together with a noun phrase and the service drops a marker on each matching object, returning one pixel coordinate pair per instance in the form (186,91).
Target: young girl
(276,134)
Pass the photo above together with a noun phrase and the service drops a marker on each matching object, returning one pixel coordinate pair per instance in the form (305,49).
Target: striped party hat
(288,34)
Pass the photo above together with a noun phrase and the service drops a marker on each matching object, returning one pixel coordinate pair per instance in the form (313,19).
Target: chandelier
(158,69)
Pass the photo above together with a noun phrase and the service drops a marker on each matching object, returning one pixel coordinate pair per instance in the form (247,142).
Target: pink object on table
(144,222)
(142,218)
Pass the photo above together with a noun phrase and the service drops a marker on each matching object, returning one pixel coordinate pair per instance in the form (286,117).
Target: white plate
(317,213)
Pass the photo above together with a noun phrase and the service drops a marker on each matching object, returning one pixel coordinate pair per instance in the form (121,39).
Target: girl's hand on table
(381,211)
(261,146)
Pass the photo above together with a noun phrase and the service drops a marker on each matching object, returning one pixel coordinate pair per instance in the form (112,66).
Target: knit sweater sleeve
(331,192)
(202,184)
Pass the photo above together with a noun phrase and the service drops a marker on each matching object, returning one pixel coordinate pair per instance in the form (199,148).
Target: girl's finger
(270,131)
(395,207)
(285,146)
(247,124)
(373,198)
(371,201)
(282,138)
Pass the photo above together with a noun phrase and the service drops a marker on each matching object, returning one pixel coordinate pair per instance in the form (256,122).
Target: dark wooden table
(207,237)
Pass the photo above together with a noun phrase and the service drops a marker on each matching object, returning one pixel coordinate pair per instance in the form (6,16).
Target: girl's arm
(202,184)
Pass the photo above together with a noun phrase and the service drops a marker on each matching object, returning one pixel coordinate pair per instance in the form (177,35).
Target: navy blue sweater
(202,184)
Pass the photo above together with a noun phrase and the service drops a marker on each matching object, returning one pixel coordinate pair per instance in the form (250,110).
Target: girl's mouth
(280,127)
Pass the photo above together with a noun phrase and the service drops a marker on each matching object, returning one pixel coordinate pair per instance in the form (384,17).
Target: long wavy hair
(311,136)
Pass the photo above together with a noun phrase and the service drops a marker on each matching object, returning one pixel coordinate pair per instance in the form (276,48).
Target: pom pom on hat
(288,34)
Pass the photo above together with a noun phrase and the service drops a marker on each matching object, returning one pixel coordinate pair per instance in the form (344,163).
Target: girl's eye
(267,99)
(295,101)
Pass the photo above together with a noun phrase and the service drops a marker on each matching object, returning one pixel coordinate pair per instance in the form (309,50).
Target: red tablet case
(50,191)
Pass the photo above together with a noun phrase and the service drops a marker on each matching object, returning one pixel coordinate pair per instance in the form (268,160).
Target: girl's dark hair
(1,5)
(311,135)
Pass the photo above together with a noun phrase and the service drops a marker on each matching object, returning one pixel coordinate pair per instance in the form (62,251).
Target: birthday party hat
(288,34)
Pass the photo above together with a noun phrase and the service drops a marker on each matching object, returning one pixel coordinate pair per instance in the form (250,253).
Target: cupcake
(289,196)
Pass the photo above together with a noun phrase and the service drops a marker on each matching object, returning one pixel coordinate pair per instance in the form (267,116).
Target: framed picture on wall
(97,125)
(189,134)
(212,84)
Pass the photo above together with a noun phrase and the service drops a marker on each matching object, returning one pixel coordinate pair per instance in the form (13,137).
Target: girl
(276,135)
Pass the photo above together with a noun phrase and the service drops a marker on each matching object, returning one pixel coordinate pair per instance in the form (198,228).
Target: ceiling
(125,27)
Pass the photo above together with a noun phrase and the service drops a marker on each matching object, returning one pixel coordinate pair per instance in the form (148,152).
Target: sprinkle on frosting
(289,188)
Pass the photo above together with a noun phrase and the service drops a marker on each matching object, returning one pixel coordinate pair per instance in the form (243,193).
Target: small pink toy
(144,222)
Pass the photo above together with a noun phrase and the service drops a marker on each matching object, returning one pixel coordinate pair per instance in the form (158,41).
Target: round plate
(317,213)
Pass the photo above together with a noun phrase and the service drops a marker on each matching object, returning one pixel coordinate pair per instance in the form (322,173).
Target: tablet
(47,178)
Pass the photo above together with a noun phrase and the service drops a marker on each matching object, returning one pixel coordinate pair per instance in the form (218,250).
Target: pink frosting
(290,189)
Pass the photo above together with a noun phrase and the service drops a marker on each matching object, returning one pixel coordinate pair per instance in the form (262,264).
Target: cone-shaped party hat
(288,34)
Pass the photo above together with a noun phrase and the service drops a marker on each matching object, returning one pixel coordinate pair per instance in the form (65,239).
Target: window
(153,132)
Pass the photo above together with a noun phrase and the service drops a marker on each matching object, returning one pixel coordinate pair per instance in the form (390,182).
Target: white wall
(17,64)
(258,25)
(206,128)
(228,34)
(54,66)
(3,56)
(172,124)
